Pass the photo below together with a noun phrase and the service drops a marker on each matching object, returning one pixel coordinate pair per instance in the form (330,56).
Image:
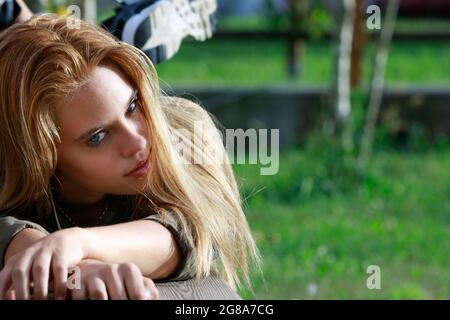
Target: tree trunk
(377,83)
(342,87)
(357,43)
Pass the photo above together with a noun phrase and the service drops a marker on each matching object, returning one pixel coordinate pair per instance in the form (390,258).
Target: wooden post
(294,43)
(294,48)
(357,44)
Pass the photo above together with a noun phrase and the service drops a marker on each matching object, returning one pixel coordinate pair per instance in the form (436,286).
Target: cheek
(143,128)
(80,165)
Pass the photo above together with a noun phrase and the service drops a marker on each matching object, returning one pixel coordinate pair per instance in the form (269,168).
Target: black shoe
(9,11)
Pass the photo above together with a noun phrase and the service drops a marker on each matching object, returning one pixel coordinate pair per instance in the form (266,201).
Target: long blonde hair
(43,61)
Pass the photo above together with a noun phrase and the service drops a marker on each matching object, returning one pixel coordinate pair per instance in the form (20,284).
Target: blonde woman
(91,175)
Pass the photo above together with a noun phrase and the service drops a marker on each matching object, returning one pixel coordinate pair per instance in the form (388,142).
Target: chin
(132,189)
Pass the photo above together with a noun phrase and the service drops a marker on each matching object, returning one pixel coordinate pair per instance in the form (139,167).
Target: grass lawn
(318,244)
(260,63)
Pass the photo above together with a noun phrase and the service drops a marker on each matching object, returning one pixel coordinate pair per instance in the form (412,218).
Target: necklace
(99,219)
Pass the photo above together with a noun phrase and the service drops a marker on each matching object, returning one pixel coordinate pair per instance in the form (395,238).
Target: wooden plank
(211,288)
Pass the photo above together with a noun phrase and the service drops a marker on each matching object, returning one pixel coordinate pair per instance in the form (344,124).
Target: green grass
(317,224)
(261,63)
(398,218)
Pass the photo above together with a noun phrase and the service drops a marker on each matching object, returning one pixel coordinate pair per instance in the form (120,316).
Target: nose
(134,142)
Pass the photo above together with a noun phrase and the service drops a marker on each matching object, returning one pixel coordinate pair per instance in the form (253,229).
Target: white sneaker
(159,27)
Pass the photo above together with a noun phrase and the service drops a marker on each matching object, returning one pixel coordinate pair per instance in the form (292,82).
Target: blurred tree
(377,82)
(345,18)
(297,17)
(357,43)
(305,17)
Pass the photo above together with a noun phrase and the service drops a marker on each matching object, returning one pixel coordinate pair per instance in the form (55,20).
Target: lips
(139,167)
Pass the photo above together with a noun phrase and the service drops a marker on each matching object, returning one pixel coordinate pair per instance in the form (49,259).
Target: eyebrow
(105,125)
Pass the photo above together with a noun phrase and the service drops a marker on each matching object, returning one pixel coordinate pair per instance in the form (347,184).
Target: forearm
(147,244)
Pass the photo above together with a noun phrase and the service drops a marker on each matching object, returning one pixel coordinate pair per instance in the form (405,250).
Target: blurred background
(361,97)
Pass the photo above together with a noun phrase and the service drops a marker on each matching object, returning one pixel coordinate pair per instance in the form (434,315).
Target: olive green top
(181,285)
(12,222)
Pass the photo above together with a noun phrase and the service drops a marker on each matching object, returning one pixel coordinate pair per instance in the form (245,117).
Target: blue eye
(95,141)
(132,107)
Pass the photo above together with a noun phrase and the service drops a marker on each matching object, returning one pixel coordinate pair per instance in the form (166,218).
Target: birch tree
(377,81)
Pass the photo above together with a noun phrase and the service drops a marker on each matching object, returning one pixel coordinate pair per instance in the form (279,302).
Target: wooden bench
(210,288)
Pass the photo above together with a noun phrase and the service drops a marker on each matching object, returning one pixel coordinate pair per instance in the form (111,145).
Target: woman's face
(103,137)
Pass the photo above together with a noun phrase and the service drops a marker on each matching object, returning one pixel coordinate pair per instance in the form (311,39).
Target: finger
(59,268)
(97,289)
(5,281)
(10,294)
(114,284)
(153,293)
(79,293)
(21,278)
(41,270)
(134,283)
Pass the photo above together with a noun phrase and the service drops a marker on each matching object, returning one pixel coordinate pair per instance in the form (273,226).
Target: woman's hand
(102,281)
(52,255)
